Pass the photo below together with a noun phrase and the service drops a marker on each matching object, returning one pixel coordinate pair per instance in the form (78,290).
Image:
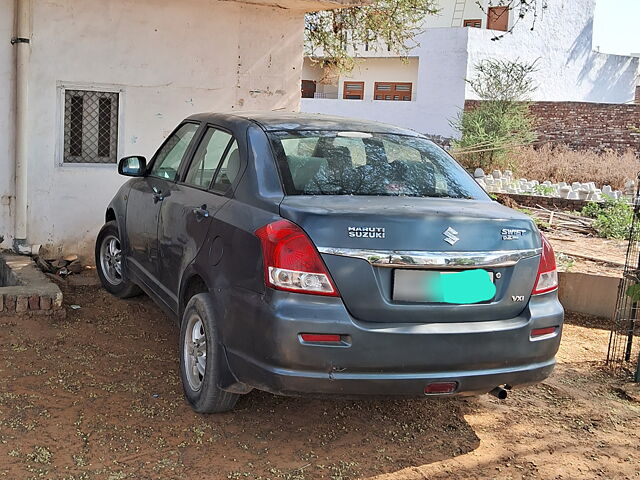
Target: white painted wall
(442,68)
(473,9)
(369,71)
(568,68)
(170,59)
(7,113)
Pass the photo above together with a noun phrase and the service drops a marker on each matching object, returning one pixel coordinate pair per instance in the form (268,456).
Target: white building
(85,82)
(427,91)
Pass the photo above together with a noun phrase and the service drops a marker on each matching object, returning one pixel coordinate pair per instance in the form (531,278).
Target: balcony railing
(333,95)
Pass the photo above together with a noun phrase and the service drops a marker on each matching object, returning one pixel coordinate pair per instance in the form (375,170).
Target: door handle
(201,212)
(158,196)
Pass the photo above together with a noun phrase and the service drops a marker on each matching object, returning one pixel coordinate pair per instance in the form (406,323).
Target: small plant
(564,262)
(612,218)
(544,190)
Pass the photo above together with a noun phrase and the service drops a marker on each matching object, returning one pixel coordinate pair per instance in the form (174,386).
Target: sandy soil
(576,246)
(97,396)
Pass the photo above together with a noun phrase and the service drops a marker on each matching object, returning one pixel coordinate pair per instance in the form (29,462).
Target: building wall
(170,60)
(441,72)
(584,125)
(369,71)
(7,111)
(567,67)
(472,10)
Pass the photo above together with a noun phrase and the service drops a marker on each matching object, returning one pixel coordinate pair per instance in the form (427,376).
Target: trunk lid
(360,236)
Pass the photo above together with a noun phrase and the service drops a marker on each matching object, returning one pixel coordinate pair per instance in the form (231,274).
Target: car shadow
(99,392)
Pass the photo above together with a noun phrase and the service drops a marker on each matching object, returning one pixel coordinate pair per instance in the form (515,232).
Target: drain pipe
(23,51)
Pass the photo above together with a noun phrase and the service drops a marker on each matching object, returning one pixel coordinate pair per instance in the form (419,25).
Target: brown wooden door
(398,91)
(498,18)
(353,91)
(308,88)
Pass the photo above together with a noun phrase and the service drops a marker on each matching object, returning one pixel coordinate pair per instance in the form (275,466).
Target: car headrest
(233,165)
(338,157)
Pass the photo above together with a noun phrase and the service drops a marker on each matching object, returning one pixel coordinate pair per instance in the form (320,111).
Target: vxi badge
(366,232)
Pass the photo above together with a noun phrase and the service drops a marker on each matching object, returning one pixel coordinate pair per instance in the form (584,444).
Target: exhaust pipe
(499,392)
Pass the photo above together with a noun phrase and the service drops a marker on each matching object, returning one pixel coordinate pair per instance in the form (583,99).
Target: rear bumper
(264,349)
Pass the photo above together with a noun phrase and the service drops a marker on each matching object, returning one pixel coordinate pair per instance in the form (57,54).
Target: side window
(229,170)
(207,158)
(170,155)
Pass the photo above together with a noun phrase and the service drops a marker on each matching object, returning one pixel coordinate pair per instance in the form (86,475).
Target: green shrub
(501,122)
(612,218)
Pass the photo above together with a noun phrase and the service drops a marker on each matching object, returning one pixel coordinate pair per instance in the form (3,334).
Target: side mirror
(134,166)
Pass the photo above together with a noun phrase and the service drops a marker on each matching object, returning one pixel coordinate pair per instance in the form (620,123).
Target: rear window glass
(360,163)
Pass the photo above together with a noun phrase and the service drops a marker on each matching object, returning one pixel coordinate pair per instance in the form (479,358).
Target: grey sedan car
(305,254)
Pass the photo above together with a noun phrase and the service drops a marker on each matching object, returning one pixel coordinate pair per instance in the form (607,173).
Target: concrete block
(57,301)
(591,294)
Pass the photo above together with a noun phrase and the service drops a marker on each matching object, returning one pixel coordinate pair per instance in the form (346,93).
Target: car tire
(109,263)
(201,357)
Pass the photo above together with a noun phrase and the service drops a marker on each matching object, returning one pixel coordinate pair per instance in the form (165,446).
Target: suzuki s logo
(451,236)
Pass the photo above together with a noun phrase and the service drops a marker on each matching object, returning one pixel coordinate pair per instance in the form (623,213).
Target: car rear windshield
(362,163)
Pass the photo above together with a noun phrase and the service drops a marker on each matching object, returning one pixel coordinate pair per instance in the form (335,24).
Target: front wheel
(109,263)
(201,357)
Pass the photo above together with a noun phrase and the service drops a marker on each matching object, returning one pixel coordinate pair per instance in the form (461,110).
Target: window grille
(90,126)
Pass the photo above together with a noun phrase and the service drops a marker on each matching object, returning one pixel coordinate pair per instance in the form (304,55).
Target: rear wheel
(109,263)
(201,358)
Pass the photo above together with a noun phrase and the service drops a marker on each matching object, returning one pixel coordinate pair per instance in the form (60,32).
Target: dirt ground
(97,396)
(610,253)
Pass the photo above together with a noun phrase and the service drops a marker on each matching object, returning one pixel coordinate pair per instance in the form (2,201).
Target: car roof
(273,121)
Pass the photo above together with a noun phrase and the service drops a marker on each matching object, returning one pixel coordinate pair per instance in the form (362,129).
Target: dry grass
(560,164)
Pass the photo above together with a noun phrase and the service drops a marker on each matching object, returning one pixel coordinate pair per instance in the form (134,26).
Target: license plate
(430,286)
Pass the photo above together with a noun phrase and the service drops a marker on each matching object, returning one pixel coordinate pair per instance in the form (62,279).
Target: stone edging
(32,293)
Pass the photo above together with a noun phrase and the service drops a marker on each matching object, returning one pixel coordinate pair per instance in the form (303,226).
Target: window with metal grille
(90,126)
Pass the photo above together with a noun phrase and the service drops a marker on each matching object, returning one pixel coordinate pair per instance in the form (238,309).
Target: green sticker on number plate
(469,286)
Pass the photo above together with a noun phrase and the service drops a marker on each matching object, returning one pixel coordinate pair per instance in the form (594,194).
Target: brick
(34,302)
(10,303)
(583,125)
(45,303)
(22,304)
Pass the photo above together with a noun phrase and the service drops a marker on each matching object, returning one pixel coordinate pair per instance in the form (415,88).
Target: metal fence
(623,356)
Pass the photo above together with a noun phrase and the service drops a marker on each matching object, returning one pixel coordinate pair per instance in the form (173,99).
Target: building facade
(85,82)
(432,80)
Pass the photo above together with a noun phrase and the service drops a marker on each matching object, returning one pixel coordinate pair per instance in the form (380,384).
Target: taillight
(547,279)
(291,261)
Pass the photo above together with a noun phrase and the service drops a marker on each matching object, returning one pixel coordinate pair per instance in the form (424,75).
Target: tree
(492,130)
(389,24)
(331,36)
